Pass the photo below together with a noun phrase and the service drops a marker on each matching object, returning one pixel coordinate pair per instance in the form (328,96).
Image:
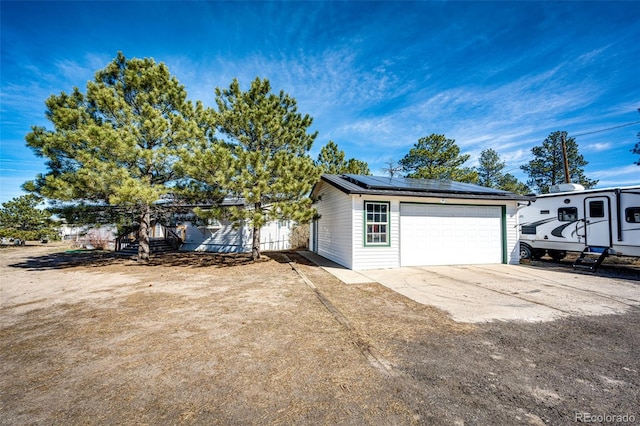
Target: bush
(32,235)
(98,239)
(299,237)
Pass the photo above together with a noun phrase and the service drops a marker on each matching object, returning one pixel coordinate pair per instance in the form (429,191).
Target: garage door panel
(450,235)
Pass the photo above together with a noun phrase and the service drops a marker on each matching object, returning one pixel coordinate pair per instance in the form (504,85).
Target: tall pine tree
(490,168)
(262,156)
(491,175)
(118,144)
(436,157)
(331,160)
(21,218)
(547,167)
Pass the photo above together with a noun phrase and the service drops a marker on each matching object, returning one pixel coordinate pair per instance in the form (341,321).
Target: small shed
(372,222)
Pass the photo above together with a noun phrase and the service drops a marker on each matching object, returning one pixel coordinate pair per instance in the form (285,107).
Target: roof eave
(352,189)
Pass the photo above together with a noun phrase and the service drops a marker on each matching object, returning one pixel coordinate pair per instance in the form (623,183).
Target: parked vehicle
(598,222)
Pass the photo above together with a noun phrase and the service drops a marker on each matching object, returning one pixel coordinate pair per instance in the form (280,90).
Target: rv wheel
(537,254)
(525,252)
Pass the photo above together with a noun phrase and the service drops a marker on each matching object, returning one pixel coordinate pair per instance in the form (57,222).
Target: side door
(597,221)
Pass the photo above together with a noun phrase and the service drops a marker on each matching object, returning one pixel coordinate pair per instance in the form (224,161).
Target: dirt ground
(195,338)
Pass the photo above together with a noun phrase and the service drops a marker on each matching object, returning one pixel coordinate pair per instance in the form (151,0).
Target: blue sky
(375,76)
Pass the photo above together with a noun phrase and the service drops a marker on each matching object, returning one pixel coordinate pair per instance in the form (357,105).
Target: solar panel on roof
(418,185)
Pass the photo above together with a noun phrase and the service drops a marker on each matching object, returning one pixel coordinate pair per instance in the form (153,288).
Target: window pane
(376,218)
(596,208)
(632,214)
(568,214)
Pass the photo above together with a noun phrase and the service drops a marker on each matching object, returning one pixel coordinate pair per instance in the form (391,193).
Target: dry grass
(206,339)
(195,338)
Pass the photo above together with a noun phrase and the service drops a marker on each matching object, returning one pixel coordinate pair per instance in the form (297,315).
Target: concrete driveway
(482,293)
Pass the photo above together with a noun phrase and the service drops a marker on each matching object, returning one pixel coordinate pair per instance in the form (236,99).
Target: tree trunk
(255,246)
(143,234)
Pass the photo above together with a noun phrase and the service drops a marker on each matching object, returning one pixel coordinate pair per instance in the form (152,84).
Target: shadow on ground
(621,268)
(87,258)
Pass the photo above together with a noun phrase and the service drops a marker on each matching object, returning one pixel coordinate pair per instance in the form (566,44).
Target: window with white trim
(376,223)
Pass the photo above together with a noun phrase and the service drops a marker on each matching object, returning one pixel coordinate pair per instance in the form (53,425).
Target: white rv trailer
(571,218)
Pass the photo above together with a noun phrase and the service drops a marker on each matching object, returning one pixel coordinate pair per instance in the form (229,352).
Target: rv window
(568,214)
(596,208)
(632,214)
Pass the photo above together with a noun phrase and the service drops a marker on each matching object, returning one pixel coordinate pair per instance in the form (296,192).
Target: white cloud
(619,171)
(598,146)
(619,176)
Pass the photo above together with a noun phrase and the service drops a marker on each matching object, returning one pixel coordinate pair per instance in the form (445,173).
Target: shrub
(299,237)
(98,239)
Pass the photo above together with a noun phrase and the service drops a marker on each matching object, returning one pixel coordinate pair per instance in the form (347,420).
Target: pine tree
(509,182)
(436,157)
(491,175)
(547,167)
(262,157)
(21,218)
(118,144)
(357,167)
(331,160)
(490,168)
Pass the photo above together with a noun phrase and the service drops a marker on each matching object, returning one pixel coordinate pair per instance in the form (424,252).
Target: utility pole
(566,161)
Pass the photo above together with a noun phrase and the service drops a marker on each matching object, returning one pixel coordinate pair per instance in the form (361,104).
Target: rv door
(597,226)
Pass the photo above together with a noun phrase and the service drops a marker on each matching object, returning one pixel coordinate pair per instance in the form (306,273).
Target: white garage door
(433,234)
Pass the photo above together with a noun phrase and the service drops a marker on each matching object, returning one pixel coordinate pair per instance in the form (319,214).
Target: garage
(435,234)
(377,222)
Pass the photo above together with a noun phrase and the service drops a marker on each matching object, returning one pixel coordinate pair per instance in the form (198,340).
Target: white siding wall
(341,229)
(275,235)
(375,257)
(227,239)
(334,226)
